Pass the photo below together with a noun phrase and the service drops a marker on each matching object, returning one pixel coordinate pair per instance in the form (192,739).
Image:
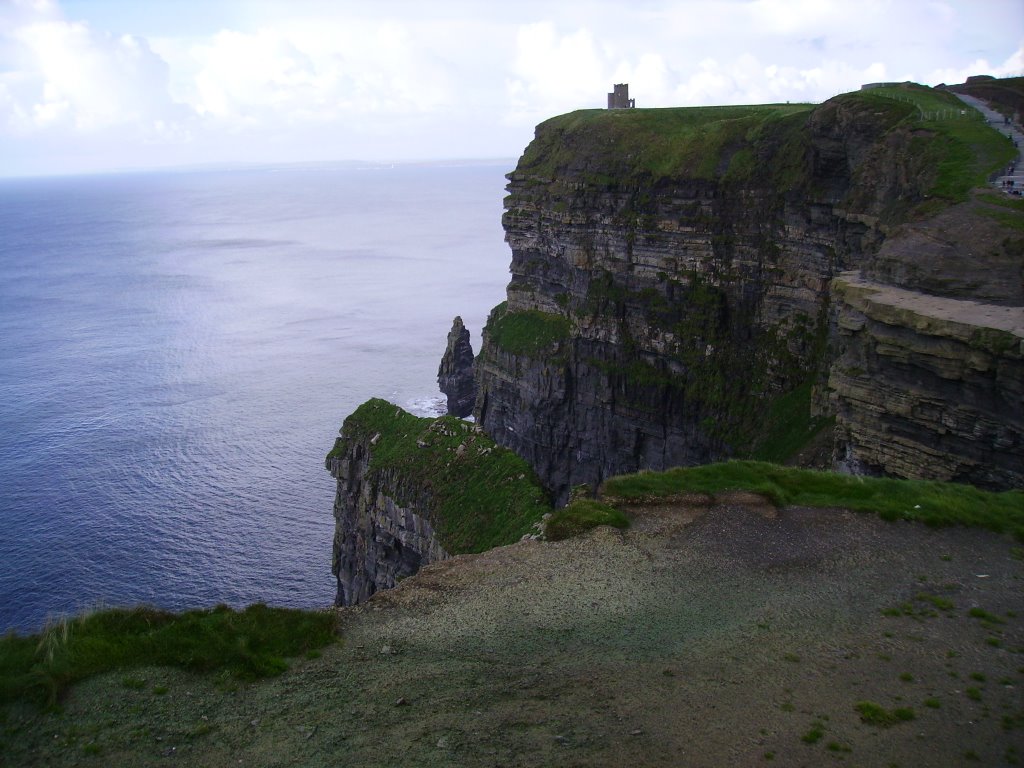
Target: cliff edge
(412,491)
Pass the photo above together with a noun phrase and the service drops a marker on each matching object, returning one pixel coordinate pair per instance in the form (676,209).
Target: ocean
(178,351)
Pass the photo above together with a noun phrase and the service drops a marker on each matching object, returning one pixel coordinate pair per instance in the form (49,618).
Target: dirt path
(1009,129)
(707,635)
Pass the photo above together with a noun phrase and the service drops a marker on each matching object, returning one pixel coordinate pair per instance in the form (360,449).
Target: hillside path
(1011,129)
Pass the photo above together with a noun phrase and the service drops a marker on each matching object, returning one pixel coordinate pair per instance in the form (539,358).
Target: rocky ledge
(928,387)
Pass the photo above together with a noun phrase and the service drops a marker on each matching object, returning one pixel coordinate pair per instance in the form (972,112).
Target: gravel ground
(709,634)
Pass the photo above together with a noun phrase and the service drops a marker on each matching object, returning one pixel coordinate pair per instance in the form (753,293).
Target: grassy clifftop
(947,144)
(794,634)
(689,142)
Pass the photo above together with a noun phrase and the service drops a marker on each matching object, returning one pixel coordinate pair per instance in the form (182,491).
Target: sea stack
(455,374)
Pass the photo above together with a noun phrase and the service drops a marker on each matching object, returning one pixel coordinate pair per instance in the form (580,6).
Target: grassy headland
(962,146)
(953,149)
(676,141)
(477,494)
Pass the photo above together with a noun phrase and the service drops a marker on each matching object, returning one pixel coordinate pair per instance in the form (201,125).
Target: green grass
(246,644)
(985,616)
(740,143)
(910,608)
(1007,211)
(477,495)
(526,333)
(875,714)
(939,602)
(581,515)
(764,143)
(928,502)
(814,733)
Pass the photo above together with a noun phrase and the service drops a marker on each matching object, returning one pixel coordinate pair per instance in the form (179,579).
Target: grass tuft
(875,714)
(814,733)
(580,516)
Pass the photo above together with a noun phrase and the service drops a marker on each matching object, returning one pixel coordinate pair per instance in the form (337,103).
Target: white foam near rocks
(430,406)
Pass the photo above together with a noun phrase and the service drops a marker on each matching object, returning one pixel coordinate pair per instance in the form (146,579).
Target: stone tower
(619,98)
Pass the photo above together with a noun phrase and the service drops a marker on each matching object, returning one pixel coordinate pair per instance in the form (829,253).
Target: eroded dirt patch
(709,634)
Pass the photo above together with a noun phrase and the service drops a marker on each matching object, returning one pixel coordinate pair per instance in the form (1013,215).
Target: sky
(112,85)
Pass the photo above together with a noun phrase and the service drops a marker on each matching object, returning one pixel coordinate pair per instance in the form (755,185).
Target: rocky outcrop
(377,541)
(455,374)
(671,281)
(411,491)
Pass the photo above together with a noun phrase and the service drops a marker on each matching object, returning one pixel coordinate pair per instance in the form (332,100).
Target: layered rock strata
(455,374)
(928,387)
(377,541)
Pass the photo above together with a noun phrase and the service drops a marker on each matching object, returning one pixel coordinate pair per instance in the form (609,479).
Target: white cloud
(301,79)
(86,81)
(1013,66)
(552,72)
(322,72)
(557,72)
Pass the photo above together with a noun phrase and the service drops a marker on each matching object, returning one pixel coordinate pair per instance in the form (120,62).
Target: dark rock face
(455,374)
(696,299)
(377,541)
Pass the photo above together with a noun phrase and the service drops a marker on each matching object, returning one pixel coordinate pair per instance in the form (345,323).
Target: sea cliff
(680,293)
(827,285)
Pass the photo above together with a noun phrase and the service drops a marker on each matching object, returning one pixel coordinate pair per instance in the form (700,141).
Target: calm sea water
(178,351)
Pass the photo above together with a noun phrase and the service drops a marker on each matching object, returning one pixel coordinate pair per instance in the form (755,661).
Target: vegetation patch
(1012,219)
(476,494)
(929,502)
(246,644)
(916,610)
(875,714)
(527,332)
(814,733)
(788,426)
(580,516)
